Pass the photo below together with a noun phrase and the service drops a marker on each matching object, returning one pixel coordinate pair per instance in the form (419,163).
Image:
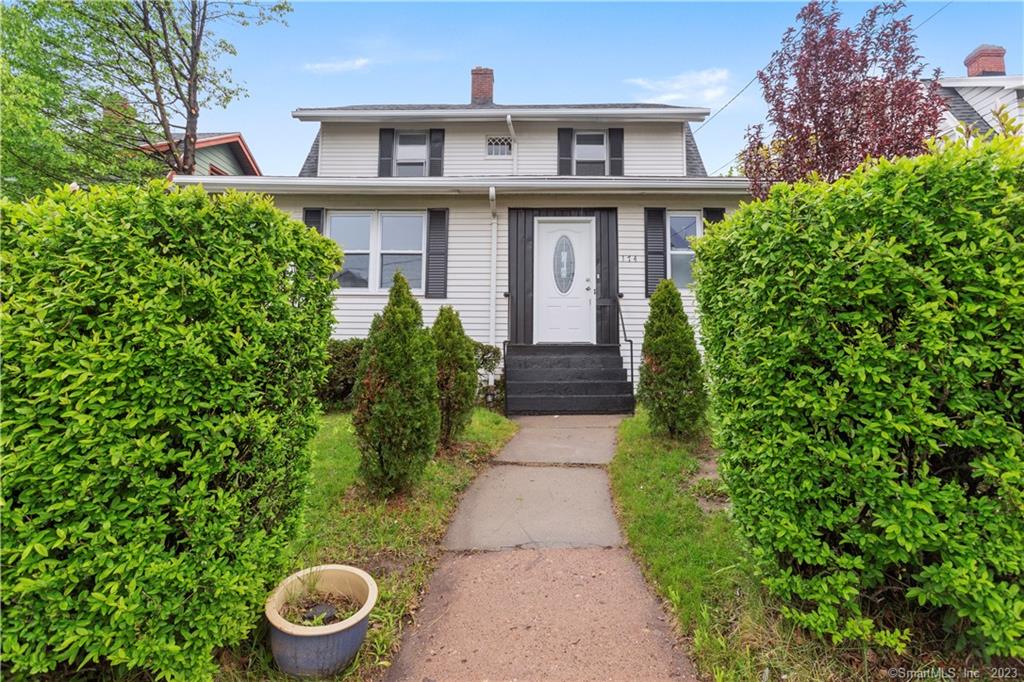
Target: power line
(727,163)
(932,15)
(712,116)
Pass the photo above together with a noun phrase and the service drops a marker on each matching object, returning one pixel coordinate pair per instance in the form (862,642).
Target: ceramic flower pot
(320,650)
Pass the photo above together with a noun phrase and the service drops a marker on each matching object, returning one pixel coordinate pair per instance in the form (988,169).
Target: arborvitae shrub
(865,341)
(671,380)
(342,368)
(161,352)
(396,414)
(456,374)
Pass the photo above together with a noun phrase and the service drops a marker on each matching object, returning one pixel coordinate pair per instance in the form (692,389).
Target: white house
(546,226)
(973,98)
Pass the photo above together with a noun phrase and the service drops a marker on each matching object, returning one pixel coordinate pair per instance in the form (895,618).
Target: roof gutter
(471,186)
(678,114)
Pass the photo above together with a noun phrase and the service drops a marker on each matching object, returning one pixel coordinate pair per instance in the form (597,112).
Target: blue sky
(698,54)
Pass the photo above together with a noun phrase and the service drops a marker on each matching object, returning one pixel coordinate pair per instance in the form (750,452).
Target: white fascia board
(735,186)
(693,114)
(1005,82)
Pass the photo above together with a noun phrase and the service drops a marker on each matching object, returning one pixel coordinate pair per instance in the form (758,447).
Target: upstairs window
(410,153)
(591,152)
(499,147)
(682,227)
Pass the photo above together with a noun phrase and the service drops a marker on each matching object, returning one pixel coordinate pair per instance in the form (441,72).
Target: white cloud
(338,65)
(704,87)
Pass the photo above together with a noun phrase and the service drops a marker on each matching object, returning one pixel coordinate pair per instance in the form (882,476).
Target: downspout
(515,144)
(492,197)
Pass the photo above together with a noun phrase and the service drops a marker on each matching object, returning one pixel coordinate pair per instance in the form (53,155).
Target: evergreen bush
(456,374)
(396,414)
(865,341)
(161,352)
(671,385)
(342,367)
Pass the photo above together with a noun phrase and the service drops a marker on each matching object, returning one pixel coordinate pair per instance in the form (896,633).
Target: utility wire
(932,15)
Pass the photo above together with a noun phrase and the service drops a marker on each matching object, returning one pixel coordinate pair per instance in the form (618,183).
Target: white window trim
(699,215)
(511,146)
(607,159)
(426,152)
(373,275)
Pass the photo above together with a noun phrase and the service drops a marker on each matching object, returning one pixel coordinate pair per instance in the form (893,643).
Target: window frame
(575,156)
(499,157)
(669,251)
(376,251)
(426,153)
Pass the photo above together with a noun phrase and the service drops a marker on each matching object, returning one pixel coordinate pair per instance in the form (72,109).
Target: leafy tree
(671,380)
(92,84)
(456,373)
(396,414)
(53,130)
(839,95)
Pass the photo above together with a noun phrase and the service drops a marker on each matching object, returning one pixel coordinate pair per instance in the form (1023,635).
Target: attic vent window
(499,147)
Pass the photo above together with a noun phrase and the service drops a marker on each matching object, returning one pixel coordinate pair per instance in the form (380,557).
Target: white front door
(564,309)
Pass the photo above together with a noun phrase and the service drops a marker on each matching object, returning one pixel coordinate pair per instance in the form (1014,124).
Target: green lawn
(396,541)
(697,563)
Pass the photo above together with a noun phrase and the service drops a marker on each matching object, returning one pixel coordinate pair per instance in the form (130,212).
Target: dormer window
(591,152)
(410,153)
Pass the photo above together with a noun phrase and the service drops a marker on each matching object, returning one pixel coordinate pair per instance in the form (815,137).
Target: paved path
(535,584)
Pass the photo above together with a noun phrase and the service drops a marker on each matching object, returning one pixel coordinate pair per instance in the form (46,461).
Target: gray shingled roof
(694,164)
(312,162)
(963,111)
(429,107)
(199,136)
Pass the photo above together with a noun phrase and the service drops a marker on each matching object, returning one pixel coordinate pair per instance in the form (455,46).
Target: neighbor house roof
(635,111)
(962,111)
(233,139)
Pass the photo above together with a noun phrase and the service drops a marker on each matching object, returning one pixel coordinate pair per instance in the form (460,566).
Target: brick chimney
(986,60)
(482,91)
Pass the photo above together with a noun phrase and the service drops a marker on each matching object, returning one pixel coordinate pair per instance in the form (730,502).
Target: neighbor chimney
(986,60)
(482,91)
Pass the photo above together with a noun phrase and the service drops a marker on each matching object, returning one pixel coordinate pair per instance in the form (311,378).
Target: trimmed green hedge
(865,341)
(161,351)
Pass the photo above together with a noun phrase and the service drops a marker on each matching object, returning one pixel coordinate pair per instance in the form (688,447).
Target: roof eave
(679,114)
(733,186)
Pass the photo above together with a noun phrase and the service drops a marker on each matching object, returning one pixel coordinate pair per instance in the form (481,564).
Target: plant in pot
(319,617)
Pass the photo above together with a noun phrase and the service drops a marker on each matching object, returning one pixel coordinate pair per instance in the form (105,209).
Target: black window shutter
(565,151)
(654,248)
(386,159)
(714,215)
(314,217)
(615,151)
(436,152)
(437,254)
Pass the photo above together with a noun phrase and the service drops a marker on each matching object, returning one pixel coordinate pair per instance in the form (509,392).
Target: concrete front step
(560,404)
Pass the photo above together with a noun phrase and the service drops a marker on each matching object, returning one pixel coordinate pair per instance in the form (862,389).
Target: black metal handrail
(625,337)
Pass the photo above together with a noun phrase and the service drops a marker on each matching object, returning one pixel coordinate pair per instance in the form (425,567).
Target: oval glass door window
(564,264)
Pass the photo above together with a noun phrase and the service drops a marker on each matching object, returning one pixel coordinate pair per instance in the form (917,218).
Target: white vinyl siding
(649,149)
(987,100)
(469,244)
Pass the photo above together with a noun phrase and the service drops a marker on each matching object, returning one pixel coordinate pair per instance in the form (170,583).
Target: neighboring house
(546,226)
(219,154)
(973,99)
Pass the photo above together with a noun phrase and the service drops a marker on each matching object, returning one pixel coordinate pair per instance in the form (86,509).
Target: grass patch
(699,565)
(396,541)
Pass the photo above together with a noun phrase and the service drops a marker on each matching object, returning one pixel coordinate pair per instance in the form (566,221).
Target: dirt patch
(386,563)
(320,608)
(705,484)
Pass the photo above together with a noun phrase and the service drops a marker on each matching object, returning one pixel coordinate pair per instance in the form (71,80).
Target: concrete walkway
(535,584)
